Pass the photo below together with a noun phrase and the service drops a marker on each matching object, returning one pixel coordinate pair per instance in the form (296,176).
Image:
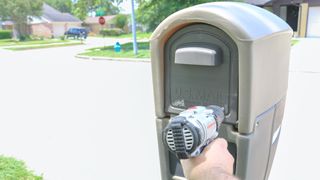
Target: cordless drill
(187,134)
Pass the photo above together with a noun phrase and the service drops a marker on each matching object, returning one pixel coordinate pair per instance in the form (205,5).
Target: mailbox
(229,54)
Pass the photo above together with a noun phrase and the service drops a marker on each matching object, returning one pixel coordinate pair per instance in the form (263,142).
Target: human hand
(214,163)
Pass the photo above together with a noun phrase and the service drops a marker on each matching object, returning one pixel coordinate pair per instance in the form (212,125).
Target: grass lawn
(12,42)
(20,48)
(140,35)
(126,51)
(294,41)
(12,169)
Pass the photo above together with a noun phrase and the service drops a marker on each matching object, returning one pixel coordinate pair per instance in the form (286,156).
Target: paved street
(74,119)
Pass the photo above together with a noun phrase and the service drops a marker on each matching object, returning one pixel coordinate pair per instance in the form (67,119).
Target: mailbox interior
(207,72)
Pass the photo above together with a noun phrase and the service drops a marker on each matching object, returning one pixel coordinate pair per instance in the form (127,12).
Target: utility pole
(133,28)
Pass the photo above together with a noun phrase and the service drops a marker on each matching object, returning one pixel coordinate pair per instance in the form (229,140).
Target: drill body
(187,134)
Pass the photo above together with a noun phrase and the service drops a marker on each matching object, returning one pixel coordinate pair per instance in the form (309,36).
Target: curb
(145,60)
(40,45)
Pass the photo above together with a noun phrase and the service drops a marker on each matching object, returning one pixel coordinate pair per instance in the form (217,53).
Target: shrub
(11,168)
(5,34)
(62,38)
(120,20)
(24,38)
(111,32)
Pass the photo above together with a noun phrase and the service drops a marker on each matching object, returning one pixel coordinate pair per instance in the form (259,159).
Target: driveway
(74,119)
(298,155)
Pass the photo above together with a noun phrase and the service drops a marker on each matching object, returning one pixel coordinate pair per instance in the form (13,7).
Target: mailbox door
(201,68)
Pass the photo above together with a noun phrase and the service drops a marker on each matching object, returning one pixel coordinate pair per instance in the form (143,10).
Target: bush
(111,32)
(120,20)
(24,38)
(12,169)
(5,34)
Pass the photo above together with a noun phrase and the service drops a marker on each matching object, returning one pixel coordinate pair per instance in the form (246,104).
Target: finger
(221,142)
(217,144)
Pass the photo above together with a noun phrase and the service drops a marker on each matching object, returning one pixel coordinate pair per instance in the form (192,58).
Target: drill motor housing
(187,134)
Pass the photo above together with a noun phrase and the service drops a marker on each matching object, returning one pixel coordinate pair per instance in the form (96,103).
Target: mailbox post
(234,55)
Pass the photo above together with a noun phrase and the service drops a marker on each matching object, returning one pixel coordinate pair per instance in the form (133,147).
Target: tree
(121,20)
(19,11)
(152,12)
(100,7)
(107,7)
(61,5)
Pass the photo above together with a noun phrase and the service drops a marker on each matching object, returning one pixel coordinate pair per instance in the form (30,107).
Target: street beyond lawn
(81,119)
(78,119)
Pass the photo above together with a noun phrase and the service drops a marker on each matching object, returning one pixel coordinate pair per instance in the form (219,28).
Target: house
(6,24)
(302,15)
(52,23)
(92,23)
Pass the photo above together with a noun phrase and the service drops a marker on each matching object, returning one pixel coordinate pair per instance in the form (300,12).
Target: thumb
(217,143)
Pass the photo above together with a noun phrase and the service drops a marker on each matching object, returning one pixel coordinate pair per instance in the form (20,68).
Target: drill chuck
(188,133)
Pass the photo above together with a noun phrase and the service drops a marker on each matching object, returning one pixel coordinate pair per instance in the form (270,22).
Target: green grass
(12,169)
(11,42)
(140,35)
(294,41)
(126,51)
(17,48)
(5,40)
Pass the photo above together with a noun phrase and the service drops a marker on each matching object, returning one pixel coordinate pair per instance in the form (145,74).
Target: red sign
(102,21)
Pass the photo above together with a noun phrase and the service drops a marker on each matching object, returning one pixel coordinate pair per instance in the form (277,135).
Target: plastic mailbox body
(233,55)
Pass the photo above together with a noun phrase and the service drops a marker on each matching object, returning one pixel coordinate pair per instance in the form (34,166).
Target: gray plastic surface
(190,85)
(197,56)
(244,21)
(278,116)
(264,57)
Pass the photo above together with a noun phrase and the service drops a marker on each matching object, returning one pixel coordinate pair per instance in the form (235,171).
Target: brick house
(92,23)
(52,23)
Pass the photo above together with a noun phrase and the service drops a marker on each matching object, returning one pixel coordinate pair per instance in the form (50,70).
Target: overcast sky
(126,6)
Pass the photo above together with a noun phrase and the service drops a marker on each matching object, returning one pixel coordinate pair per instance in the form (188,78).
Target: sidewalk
(305,56)
(298,155)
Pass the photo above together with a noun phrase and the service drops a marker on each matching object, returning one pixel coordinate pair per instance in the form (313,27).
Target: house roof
(7,23)
(257,2)
(53,15)
(95,20)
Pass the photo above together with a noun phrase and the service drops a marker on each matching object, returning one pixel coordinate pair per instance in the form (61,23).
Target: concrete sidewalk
(298,154)
(39,45)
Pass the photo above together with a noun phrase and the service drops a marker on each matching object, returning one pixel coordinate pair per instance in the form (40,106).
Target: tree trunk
(22,29)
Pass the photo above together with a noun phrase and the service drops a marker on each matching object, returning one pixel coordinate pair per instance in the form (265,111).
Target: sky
(125,6)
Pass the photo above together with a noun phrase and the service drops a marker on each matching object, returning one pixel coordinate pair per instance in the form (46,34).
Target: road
(74,119)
